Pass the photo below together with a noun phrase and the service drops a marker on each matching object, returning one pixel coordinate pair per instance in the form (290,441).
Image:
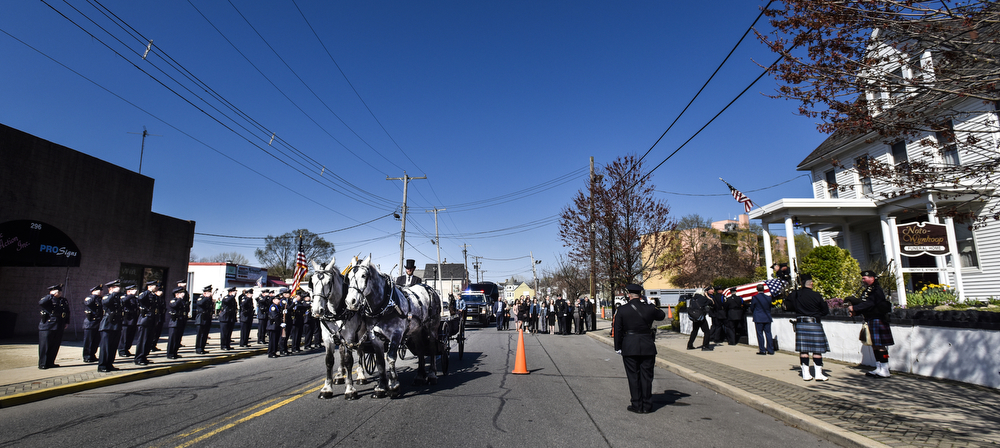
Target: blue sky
(499,104)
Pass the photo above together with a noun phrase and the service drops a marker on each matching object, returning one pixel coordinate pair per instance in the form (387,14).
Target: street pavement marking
(242,417)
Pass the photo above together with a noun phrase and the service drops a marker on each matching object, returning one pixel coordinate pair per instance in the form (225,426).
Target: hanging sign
(922,238)
(33,243)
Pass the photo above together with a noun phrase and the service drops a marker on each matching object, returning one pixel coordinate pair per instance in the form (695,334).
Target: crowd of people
(549,315)
(122,320)
(727,313)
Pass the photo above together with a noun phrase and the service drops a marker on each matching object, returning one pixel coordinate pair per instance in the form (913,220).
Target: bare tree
(227,257)
(899,70)
(631,226)
(569,276)
(278,253)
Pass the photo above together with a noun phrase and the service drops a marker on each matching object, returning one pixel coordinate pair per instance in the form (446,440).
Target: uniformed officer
(159,318)
(54,319)
(298,313)
(93,312)
(263,303)
(176,315)
(285,300)
(227,318)
(145,324)
(634,341)
(246,316)
(205,308)
(110,327)
(409,279)
(274,326)
(130,319)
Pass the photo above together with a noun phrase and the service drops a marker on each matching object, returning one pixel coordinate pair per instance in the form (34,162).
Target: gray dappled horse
(392,315)
(341,328)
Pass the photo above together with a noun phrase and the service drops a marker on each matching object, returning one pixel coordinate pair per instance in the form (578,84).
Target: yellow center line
(219,428)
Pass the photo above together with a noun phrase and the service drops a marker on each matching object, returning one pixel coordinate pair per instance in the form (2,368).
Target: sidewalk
(851,409)
(21,381)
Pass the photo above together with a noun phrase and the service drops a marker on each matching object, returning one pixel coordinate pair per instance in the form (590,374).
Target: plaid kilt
(881,333)
(810,338)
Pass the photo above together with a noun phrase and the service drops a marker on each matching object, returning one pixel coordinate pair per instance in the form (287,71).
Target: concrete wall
(103,208)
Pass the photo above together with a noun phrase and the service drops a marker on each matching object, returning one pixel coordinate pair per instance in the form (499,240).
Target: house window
(897,83)
(873,246)
(946,143)
(966,246)
(900,158)
(861,164)
(831,185)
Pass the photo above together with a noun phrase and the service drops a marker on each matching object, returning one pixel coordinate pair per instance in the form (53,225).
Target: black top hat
(633,288)
(410,264)
(207,289)
(58,287)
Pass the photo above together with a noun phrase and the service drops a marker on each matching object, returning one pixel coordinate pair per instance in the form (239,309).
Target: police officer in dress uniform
(246,316)
(263,303)
(54,319)
(182,324)
(205,308)
(93,312)
(285,301)
(409,279)
(145,324)
(634,341)
(110,327)
(227,319)
(130,318)
(274,326)
(159,319)
(298,313)
(176,314)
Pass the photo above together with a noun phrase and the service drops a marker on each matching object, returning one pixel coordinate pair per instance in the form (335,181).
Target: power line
(730,194)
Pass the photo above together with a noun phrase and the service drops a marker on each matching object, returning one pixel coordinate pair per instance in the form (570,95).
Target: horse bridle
(368,292)
(330,316)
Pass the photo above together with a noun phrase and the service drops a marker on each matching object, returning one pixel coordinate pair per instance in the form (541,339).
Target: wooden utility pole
(402,235)
(437,242)
(593,235)
(142,147)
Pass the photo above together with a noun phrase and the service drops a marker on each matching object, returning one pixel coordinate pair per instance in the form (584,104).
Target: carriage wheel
(444,361)
(461,339)
(369,362)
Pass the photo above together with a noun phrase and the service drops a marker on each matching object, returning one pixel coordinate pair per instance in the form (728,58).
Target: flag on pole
(300,268)
(260,281)
(740,197)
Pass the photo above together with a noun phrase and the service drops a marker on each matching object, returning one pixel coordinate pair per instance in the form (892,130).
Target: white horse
(341,328)
(394,315)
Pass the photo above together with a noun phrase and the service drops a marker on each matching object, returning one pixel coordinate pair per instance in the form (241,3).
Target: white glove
(616,351)
(283,326)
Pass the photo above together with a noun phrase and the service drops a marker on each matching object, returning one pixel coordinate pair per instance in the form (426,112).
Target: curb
(790,417)
(31,397)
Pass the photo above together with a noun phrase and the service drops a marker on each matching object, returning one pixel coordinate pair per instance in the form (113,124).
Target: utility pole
(142,147)
(402,235)
(534,275)
(465,255)
(593,236)
(476,264)
(437,242)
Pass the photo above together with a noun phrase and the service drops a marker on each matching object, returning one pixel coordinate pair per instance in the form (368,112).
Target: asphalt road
(575,396)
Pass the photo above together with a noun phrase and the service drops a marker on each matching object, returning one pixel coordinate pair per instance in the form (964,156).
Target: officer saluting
(55,317)
(409,279)
(634,341)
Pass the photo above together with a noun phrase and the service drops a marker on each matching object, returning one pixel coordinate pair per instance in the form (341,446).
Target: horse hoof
(338,381)
(394,393)
(325,395)
(351,396)
(361,381)
(432,381)
(379,394)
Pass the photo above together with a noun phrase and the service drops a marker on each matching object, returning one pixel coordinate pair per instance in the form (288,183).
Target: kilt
(881,333)
(810,338)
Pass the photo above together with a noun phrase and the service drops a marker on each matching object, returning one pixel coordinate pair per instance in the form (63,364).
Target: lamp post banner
(33,243)
(922,238)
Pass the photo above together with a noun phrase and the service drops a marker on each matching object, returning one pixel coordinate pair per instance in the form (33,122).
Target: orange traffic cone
(520,366)
(670,312)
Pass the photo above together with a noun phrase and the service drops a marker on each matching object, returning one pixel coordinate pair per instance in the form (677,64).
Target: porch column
(813,237)
(846,232)
(768,259)
(956,261)
(790,243)
(892,254)
(938,259)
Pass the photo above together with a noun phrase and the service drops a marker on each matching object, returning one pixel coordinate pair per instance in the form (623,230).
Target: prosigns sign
(34,243)
(922,238)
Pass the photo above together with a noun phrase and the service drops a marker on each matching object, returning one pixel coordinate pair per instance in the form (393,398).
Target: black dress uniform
(93,312)
(144,326)
(159,319)
(110,328)
(130,319)
(176,315)
(54,318)
(227,319)
(634,341)
(285,319)
(274,324)
(246,317)
(298,313)
(205,308)
(263,303)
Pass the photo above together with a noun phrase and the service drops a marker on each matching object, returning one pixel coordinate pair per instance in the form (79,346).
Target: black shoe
(43,367)
(707,348)
(124,354)
(635,410)
(691,347)
(89,360)
(770,353)
(761,353)
(107,369)
(154,349)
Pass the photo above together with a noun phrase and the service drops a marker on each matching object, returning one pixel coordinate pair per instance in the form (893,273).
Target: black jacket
(633,335)
(55,312)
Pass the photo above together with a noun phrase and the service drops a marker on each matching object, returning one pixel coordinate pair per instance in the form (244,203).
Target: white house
(851,211)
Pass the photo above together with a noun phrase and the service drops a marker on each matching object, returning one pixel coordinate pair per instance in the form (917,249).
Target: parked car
(479,301)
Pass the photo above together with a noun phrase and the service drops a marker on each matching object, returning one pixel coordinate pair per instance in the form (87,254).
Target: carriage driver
(409,279)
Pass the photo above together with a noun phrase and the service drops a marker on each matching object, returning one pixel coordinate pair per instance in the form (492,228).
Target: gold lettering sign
(922,238)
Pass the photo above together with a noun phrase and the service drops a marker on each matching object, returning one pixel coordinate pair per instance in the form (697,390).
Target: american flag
(260,281)
(740,197)
(747,291)
(300,268)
